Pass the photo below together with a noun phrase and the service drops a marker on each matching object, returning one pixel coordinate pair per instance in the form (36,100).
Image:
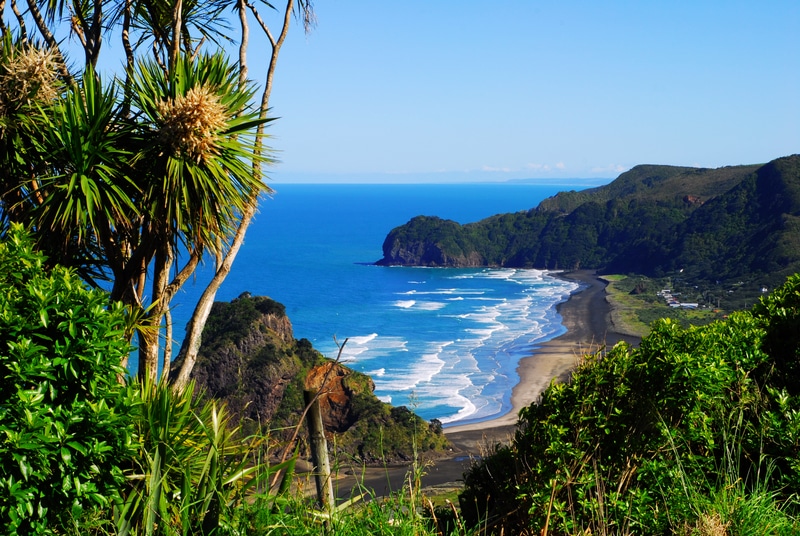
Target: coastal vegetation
(127,183)
(692,432)
(82,452)
(65,424)
(728,225)
(130,184)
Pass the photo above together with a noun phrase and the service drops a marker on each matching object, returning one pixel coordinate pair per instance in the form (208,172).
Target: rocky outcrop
(430,241)
(337,392)
(426,254)
(250,359)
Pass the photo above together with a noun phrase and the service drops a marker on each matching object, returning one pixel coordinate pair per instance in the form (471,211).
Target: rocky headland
(250,359)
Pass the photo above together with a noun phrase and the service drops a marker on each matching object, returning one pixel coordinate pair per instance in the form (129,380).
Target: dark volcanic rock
(249,358)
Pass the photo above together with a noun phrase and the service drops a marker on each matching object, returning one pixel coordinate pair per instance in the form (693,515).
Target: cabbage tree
(140,180)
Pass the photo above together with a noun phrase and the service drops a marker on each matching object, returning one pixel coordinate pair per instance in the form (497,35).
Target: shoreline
(586,315)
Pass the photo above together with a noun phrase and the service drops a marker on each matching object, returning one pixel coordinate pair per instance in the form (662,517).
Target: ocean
(443,341)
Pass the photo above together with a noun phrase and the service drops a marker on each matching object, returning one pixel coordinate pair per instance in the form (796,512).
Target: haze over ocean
(446,341)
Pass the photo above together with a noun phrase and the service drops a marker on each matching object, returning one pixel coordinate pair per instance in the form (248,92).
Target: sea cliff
(727,223)
(250,359)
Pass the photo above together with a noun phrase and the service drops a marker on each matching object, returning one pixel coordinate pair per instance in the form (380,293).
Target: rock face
(250,359)
(429,241)
(337,393)
(427,254)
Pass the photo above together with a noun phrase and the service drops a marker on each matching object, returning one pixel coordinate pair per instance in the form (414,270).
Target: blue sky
(444,91)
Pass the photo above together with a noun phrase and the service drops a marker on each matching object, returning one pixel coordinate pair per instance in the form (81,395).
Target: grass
(625,308)
(738,501)
(635,303)
(194,474)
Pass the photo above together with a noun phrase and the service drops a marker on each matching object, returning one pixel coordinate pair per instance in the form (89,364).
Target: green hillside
(250,360)
(708,224)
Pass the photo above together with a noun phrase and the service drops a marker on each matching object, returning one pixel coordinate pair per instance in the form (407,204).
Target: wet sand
(586,315)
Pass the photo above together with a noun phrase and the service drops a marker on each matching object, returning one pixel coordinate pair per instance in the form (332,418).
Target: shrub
(64,423)
(193,470)
(639,434)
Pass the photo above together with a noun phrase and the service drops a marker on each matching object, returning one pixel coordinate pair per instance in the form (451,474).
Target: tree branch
(20,20)
(191,342)
(33,8)
(245,42)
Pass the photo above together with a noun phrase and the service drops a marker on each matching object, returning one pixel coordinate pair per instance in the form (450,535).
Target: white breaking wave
(430,306)
(494,318)
(361,340)
(467,410)
(367,347)
(409,376)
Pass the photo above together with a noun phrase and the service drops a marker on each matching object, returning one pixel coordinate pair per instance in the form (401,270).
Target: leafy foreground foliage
(65,428)
(83,453)
(697,431)
(194,474)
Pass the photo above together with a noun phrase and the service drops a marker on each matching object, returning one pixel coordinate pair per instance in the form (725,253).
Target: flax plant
(193,470)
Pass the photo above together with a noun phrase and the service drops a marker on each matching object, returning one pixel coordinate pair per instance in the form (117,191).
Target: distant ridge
(711,224)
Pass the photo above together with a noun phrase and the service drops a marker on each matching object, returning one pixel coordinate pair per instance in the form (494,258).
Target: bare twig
(302,418)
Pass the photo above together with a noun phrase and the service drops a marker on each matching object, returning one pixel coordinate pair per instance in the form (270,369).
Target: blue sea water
(446,341)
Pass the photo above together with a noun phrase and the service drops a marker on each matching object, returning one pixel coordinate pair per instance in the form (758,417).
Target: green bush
(641,436)
(64,417)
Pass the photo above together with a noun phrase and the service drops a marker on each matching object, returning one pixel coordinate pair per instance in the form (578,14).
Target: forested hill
(714,224)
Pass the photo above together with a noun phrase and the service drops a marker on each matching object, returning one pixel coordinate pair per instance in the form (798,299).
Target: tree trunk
(150,332)
(319,452)
(148,354)
(187,356)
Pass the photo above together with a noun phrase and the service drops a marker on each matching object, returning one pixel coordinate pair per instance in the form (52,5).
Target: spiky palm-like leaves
(154,21)
(202,166)
(128,195)
(192,467)
(200,146)
(192,191)
(89,192)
